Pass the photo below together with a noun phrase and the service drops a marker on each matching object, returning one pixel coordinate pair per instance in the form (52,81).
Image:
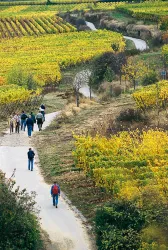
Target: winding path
(63,226)
(139,43)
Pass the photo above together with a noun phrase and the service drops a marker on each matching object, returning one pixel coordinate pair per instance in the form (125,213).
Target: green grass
(119,16)
(153,59)
(54,102)
(130,45)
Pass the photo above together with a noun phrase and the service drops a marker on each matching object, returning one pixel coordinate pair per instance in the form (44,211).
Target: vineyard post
(157,102)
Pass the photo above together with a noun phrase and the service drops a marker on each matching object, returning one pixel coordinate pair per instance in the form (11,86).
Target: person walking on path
(33,118)
(23,120)
(29,124)
(17,123)
(30,155)
(39,119)
(42,109)
(11,123)
(55,192)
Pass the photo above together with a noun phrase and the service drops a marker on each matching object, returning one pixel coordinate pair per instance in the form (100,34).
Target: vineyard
(127,164)
(146,10)
(35,26)
(50,10)
(45,55)
(13,98)
(165,52)
(153,96)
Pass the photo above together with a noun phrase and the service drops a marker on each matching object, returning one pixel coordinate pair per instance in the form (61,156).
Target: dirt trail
(62,225)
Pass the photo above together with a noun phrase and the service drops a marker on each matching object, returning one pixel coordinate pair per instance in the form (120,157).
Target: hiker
(29,124)
(42,109)
(30,155)
(11,123)
(23,120)
(42,106)
(17,123)
(55,192)
(39,119)
(33,118)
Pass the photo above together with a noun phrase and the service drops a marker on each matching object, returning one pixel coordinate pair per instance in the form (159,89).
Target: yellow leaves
(151,96)
(44,56)
(134,70)
(127,163)
(13,93)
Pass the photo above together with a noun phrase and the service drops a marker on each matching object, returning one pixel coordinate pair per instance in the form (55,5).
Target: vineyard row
(17,27)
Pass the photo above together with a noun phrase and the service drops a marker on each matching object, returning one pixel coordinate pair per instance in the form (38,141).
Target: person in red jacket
(55,192)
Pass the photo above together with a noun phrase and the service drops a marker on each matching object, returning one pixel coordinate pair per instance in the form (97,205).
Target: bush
(79,22)
(130,115)
(19,227)
(150,78)
(132,52)
(118,225)
(117,91)
(124,240)
(19,77)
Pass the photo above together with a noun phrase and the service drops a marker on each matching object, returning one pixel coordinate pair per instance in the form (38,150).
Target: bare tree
(81,79)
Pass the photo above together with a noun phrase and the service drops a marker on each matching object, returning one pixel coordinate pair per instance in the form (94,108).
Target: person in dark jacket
(30,155)
(42,109)
(33,118)
(23,120)
(29,124)
(55,192)
(42,106)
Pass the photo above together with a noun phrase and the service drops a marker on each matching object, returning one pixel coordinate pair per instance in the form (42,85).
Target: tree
(19,226)
(101,63)
(81,78)
(134,70)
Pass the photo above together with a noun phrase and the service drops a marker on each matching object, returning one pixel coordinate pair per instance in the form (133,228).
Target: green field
(147,10)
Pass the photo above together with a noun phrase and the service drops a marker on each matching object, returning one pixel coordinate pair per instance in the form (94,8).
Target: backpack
(31,154)
(55,189)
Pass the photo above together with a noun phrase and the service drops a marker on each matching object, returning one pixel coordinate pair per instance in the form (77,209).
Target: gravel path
(63,226)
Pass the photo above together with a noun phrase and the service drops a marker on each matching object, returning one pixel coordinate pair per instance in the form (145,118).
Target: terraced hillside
(29,26)
(44,55)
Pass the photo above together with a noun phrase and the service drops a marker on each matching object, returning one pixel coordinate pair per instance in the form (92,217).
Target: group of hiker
(23,120)
(55,188)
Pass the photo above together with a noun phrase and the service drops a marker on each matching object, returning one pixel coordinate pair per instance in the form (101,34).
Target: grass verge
(55,145)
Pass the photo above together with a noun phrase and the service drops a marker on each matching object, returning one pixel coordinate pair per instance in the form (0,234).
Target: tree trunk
(134,83)
(90,91)
(77,98)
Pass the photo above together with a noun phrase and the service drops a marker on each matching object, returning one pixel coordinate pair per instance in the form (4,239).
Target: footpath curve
(64,228)
(139,43)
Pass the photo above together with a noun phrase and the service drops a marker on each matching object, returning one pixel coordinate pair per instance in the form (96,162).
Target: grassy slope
(55,146)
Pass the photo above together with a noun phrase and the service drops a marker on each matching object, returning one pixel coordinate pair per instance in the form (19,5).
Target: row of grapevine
(153,96)
(49,10)
(41,2)
(45,55)
(148,10)
(23,26)
(127,164)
